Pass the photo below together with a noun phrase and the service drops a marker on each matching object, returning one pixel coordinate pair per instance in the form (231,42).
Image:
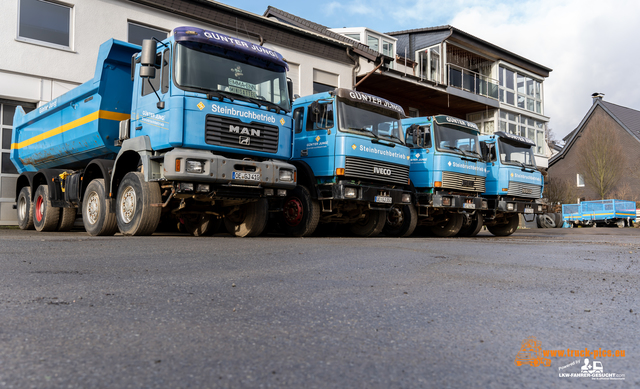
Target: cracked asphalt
(175,311)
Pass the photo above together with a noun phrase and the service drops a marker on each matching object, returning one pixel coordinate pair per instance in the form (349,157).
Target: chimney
(597,96)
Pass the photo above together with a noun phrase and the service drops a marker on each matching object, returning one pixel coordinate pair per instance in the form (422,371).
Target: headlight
(509,206)
(186,187)
(406,197)
(350,193)
(446,201)
(268,192)
(485,204)
(202,188)
(282,192)
(286,175)
(194,166)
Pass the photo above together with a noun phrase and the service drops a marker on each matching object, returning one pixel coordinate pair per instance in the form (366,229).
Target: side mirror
(314,108)
(148,59)
(290,89)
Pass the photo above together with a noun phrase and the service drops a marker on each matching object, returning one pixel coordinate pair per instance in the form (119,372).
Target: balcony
(472,82)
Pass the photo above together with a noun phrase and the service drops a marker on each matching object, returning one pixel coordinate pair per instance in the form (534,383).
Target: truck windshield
(365,119)
(209,69)
(516,154)
(456,140)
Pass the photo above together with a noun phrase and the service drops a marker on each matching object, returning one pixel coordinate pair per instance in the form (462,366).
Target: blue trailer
(195,127)
(600,213)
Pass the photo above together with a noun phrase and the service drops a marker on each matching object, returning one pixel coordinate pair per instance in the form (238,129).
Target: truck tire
(449,228)
(96,216)
(67,219)
(301,213)
(250,220)
(134,213)
(371,225)
(557,218)
(25,209)
(471,226)
(201,224)
(507,228)
(45,217)
(547,221)
(401,221)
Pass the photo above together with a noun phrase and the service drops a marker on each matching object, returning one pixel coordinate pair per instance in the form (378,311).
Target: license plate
(528,210)
(383,199)
(469,205)
(246,176)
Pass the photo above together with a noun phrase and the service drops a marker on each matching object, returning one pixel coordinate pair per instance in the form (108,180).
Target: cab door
(421,170)
(314,137)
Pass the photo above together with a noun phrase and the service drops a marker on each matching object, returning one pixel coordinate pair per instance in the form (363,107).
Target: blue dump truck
(352,163)
(514,184)
(196,127)
(447,175)
(594,213)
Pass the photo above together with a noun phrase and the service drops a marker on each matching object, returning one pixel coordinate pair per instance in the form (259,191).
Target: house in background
(443,70)
(624,124)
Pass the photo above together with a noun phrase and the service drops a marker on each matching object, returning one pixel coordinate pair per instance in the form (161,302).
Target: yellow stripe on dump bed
(70,126)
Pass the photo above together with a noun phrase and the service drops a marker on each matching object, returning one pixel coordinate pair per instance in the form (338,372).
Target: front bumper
(516,206)
(451,201)
(217,169)
(378,195)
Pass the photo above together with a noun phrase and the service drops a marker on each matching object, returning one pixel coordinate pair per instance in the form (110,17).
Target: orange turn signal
(178,164)
(438,184)
(340,171)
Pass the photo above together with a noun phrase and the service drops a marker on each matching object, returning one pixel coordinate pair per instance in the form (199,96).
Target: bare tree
(601,157)
(559,191)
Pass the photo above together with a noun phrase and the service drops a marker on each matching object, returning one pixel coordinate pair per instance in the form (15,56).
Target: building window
(524,126)
(373,42)
(324,81)
(430,64)
(138,32)
(485,120)
(414,112)
(580,179)
(355,37)
(44,22)
(527,95)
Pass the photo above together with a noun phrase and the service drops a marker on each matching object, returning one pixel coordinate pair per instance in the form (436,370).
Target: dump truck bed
(83,123)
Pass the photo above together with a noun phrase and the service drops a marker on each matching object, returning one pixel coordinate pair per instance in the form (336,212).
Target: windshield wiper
(220,95)
(364,130)
(268,104)
(525,169)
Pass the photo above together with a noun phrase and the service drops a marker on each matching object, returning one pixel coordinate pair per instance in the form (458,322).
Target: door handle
(304,153)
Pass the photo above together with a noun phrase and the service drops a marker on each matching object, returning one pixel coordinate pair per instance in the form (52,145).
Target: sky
(590,45)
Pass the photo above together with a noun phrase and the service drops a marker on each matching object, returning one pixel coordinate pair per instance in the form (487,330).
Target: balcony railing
(473,82)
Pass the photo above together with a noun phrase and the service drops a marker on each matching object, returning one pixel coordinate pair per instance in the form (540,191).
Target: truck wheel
(201,224)
(449,228)
(401,221)
(371,225)
(25,209)
(557,218)
(67,218)
(250,220)
(96,216)
(471,226)
(134,213)
(301,213)
(508,228)
(45,217)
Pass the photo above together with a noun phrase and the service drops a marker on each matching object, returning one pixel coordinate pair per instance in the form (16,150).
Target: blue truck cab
(196,127)
(514,184)
(448,174)
(351,159)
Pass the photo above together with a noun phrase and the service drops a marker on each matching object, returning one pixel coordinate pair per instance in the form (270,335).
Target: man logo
(381,171)
(244,140)
(244,130)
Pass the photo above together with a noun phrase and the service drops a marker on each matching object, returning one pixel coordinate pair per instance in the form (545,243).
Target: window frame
(578,176)
(39,42)
(134,23)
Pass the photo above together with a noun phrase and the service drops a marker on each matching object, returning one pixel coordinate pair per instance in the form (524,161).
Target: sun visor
(366,98)
(445,120)
(194,34)
(515,138)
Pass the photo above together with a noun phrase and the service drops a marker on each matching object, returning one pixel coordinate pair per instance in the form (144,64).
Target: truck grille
(464,182)
(376,170)
(519,189)
(230,132)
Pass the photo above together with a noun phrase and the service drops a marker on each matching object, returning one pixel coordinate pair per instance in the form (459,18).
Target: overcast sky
(591,45)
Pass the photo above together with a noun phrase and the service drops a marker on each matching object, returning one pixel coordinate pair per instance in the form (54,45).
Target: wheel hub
(39,205)
(93,208)
(22,208)
(394,217)
(128,205)
(293,212)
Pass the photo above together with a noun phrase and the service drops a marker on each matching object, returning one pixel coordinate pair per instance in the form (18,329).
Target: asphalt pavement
(174,311)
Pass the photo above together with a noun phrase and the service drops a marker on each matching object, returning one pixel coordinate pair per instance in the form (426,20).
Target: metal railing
(473,82)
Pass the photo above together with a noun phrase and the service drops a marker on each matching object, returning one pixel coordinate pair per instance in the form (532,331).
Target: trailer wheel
(96,216)
(201,224)
(449,228)
(134,213)
(25,209)
(250,220)
(301,213)
(401,221)
(471,226)
(67,218)
(371,225)
(45,217)
(507,228)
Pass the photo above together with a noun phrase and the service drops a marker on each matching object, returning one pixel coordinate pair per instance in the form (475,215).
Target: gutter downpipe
(354,70)
(368,74)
